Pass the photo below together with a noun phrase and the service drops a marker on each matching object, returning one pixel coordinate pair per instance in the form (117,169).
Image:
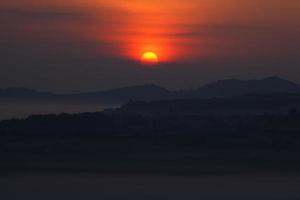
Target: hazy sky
(79,45)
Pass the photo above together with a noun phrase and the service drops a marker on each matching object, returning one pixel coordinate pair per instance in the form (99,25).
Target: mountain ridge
(148,92)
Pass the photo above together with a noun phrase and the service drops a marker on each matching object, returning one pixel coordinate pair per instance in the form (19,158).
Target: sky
(70,46)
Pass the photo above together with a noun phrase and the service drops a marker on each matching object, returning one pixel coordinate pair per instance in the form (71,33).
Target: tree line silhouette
(123,135)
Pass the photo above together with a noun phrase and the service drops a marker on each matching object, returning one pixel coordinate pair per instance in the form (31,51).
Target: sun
(149,57)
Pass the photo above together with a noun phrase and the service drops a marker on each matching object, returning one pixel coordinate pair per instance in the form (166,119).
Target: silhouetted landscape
(22,102)
(249,125)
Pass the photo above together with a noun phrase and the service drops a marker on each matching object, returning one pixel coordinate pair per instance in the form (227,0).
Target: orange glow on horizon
(177,31)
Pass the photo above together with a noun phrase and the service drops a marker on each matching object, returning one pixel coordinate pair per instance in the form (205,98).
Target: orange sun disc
(149,58)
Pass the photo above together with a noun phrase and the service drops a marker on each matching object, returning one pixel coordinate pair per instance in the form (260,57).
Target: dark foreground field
(151,144)
(92,186)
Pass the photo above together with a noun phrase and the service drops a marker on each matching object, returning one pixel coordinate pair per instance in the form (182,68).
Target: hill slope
(222,88)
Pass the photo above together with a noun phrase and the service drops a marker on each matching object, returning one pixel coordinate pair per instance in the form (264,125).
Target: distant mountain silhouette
(222,88)
(234,87)
(23,94)
(123,95)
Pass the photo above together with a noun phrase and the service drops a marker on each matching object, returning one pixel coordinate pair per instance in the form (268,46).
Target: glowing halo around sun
(149,58)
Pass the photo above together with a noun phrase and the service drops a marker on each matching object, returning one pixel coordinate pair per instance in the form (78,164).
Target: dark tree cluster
(123,136)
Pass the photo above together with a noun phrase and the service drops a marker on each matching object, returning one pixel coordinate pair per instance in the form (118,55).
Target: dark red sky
(68,46)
